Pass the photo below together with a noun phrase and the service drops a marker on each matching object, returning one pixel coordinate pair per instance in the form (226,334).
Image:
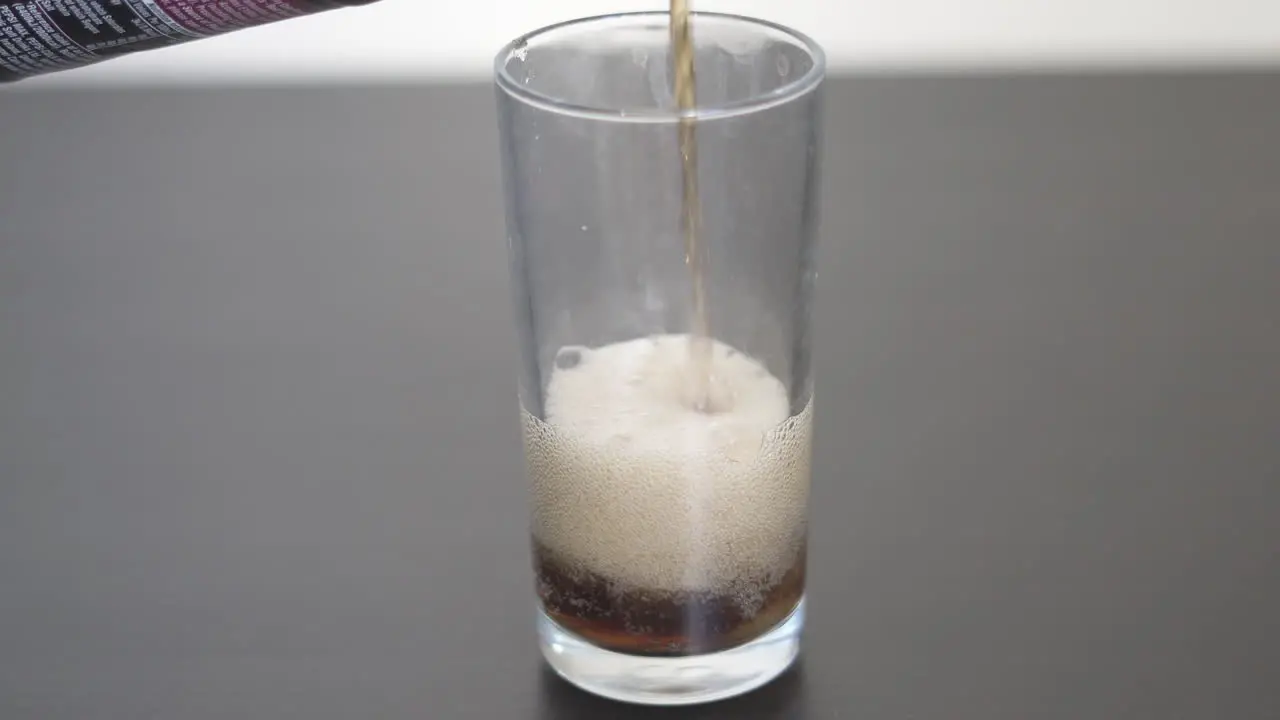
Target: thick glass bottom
(673,680)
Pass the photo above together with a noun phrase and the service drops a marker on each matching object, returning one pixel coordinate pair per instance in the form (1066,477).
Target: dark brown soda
(658,623)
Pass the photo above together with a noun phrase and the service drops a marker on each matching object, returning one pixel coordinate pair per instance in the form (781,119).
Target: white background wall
(430,38)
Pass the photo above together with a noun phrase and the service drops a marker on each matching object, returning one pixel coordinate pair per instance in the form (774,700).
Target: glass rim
(778,96)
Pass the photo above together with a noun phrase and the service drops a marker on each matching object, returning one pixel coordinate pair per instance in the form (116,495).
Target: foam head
(632,483)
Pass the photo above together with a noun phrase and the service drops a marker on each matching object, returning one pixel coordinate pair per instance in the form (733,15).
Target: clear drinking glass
(669,536)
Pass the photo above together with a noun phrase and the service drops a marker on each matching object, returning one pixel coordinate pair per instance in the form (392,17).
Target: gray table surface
(259,453)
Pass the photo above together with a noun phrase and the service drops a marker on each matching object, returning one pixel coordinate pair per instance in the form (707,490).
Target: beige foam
(633,484)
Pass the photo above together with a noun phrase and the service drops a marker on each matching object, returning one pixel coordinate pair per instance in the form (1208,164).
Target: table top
(259,456)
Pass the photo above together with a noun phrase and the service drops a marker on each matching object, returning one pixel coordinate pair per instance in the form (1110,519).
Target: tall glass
(668,534)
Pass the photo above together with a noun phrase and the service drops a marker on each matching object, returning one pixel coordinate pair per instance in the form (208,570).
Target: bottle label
(38,36)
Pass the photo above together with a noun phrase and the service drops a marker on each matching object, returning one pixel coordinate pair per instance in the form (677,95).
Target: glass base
(671,681)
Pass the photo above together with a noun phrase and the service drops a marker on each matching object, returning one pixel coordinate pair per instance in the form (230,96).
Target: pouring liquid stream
(696,255)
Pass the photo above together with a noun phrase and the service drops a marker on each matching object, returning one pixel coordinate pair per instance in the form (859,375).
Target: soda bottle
(42,36)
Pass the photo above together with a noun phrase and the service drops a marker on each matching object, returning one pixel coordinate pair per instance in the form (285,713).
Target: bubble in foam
(631,483)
